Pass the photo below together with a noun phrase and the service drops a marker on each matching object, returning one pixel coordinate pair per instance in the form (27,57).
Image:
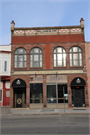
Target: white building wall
(4,56)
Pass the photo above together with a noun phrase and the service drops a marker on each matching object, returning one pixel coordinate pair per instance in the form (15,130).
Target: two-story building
(5,68)
(48,67)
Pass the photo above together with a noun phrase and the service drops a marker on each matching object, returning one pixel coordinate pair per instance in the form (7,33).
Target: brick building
(48,67)
(5,68)
(87,49)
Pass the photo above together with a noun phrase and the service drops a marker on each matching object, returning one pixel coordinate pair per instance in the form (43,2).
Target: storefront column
(44,92)
(11,97)
(27,97)
(69,97)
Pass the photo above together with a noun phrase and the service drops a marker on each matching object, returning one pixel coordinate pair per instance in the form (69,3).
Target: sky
(42,13)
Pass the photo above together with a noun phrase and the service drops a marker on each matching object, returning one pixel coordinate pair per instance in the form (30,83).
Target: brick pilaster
(44,92)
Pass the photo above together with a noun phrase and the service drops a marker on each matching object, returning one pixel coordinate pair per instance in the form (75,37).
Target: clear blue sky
(39,13)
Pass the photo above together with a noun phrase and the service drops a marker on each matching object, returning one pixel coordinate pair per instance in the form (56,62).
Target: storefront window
(0,95)
(36,93)
(62,89)
(51,93)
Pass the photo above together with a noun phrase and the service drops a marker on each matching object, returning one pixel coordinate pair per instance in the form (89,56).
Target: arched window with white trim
(36,57)
(75,56)
(59,57)
(20,58)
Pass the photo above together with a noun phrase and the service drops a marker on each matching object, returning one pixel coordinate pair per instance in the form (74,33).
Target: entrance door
(78,98)
(19,98)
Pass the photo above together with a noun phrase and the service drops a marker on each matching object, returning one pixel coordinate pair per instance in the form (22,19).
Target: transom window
(36,57)
(20,58)
(59,57)
(75,55)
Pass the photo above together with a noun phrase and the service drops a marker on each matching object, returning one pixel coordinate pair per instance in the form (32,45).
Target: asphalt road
(45,124)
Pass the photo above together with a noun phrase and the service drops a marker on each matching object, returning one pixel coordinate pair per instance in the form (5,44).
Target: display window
(36,93)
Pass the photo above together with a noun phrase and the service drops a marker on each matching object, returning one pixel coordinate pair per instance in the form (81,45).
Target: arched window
(75,56)
(59,56)
(20,58)
(36,57)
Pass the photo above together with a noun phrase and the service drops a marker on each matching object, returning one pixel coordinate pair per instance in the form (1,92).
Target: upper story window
(36,57)
(20,58)
(75,56)
(5,66)
(59,56)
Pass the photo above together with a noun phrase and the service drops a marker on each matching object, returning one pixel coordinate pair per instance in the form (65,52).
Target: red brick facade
(87,49)
(47,43)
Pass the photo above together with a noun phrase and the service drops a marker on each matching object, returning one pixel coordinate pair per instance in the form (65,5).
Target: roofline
(54,27)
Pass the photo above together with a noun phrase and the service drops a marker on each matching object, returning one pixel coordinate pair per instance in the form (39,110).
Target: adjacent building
(5,68)
(87,49)
(48,67)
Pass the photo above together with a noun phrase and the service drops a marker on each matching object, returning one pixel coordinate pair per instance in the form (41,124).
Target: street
(45,124)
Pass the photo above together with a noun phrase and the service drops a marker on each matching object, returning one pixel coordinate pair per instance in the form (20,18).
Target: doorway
(20,97)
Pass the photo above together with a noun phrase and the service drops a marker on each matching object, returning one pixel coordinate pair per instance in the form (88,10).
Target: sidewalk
(26,111)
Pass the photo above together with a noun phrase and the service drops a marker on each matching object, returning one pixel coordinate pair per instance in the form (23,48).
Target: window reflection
(59,57)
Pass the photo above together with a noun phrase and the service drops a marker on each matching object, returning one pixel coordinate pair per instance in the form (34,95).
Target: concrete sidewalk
(26,111)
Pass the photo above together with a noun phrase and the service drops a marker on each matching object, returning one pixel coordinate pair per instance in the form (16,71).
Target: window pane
(75,49)
(59,56)
(20,58)
(80,50)
(36,64)
(70,56)
(24,57)
(40,51)
(15,64)
(40,63)
(80,62)
(0,95)
(71,50)
(80,55)
(31,64)
(54,63)
(7,93)
(31,51)
(40,57)
(59,63)
(5,65)
(36,50)
(59,49)
(36,58)
(64,56)
(15,52)
(31,57)
(36,93)
(20,64)
(15,57)
(64,63)
(54,56)
(51,91)
(20,51)
(75,63)
(54,50)
(24,51)
(70,62)
(25,64)
(75,56)
(63,50)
